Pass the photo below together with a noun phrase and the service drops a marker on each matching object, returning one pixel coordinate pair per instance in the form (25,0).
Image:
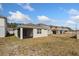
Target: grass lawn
(54,45)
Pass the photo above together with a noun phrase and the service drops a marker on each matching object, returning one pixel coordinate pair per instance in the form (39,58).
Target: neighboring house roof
(3,17)
(33,26)
(58,28)
(5,22)
(10,29)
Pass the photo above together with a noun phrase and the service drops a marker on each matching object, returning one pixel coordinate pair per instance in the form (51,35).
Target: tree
(12,25)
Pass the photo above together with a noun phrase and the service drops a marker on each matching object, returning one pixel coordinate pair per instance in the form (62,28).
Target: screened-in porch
(25,33)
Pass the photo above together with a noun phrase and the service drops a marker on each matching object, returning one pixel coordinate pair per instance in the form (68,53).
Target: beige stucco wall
(3,27)
(43,33)
(77,34)
(16,33)
(49,32)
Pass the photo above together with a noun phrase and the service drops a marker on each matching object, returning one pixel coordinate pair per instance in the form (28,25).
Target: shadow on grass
(9,35)
(73,36)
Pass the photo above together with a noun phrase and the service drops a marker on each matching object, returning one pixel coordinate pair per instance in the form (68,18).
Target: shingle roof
(33,26)
(3,17)
(58,28)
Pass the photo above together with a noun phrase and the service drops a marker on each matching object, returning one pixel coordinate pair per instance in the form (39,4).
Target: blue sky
(49,13)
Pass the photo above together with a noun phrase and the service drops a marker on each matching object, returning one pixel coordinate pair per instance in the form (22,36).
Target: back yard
(54,45)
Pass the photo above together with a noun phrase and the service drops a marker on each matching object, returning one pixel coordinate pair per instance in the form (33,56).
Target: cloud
(45,19)
(75,18)
(18,17)
(74,15)
(70,22)
(27,7)
(1,8)
(73,12)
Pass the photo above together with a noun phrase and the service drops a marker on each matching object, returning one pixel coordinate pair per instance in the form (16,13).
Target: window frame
(39,31)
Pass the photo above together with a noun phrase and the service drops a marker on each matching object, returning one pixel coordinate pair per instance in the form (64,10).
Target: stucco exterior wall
(49,32)
(2,32)
(77,34)
(3,27)
(43,33)
(16,32)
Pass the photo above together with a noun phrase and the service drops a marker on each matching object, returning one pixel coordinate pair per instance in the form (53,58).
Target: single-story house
(3,26)
(10,30)
(58,29)
(31,31)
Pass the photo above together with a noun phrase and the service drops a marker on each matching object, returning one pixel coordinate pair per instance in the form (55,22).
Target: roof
(58,28)
(3,17)
(10,29)
(33,26)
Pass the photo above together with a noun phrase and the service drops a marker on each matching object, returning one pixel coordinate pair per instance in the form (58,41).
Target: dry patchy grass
(54,45)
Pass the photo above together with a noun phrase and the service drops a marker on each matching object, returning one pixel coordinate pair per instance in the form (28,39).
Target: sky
(58,14)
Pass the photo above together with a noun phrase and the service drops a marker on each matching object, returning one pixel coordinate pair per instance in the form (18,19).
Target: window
(38,31)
